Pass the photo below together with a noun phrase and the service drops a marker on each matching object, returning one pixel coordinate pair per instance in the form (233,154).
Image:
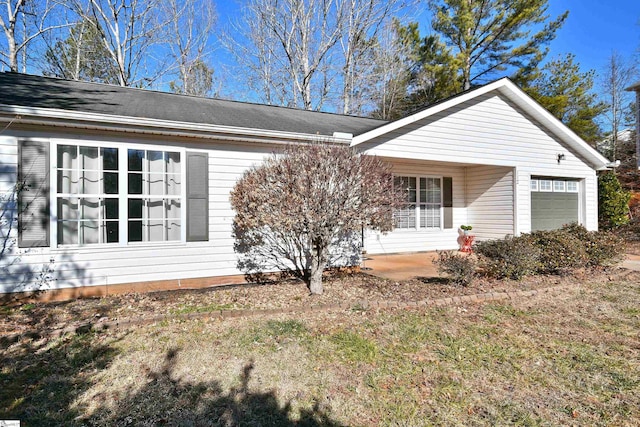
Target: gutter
(97,121)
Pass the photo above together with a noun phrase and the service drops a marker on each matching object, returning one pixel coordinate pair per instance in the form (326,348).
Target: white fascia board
(513,92)
(76,119)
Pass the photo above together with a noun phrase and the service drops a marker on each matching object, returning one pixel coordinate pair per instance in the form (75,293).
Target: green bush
(604,248)
(613,202)
(460,268)
(512,257)
(560,251)
(550,252)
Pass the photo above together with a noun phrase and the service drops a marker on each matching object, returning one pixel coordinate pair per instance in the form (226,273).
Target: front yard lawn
(568,359)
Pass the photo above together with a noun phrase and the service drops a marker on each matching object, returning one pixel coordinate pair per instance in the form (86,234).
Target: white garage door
(554,202)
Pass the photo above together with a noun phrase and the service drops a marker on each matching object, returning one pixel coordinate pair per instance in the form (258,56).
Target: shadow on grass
(434,280)
(168,399)
(40,380)
(40,385)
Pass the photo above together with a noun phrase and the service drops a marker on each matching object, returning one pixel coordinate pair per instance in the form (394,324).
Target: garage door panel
(551,211)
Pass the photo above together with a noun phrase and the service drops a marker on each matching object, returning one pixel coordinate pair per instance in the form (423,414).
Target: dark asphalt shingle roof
(45,92)
(635,86)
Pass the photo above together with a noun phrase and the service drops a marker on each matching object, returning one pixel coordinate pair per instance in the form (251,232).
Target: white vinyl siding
(490,196)
(479,144)
(491,130)
(143,261)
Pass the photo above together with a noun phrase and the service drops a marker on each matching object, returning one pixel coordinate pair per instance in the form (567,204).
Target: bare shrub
(304,210)
(460,268)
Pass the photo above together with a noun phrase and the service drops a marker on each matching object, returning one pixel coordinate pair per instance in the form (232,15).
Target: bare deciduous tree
(307,53)
(288,44)
(391,78)
(128,29)
(189,28)
(363,21)
(22,22)
(618,74)
(299,211)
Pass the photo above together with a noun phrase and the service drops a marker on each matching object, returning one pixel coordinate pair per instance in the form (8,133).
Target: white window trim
(576,190)
(545,190)
(564,186)
(122,184)
(418,203)
(533,187)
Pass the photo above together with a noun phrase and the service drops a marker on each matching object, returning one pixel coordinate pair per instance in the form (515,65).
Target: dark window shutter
(33,195)
(197,197)
(447,201)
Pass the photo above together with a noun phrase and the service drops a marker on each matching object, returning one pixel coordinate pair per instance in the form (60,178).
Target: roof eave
(74,119)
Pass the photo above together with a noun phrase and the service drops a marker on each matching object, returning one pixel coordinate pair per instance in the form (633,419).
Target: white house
(132,186)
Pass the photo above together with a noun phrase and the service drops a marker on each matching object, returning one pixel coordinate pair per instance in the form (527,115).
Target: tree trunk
(13,56)
(315,280)
(318,264)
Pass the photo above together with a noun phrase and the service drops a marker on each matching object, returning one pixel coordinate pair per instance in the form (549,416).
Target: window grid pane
(545,185)
(558,186)
(88,195)
(154,196)
(82,187)
(423,202)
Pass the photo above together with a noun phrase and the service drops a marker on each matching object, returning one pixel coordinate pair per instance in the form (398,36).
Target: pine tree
(492,36)
(567,93)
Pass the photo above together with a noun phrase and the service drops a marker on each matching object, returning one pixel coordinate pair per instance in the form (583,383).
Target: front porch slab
(404,266)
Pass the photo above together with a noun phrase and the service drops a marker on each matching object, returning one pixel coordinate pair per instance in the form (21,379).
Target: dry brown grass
(339,288)
(572,359)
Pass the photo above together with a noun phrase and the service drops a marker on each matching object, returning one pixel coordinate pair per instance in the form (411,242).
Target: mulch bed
(339,288)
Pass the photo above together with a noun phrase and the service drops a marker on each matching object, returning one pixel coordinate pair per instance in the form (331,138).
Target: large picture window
(423,201)
(91,196)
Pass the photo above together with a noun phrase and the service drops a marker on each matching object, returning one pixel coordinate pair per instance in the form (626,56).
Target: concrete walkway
(401,266)
(632,262)
(411,265)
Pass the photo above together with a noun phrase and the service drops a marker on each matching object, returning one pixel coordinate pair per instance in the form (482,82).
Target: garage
(554,202)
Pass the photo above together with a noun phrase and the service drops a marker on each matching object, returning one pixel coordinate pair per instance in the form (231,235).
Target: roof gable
(516,95)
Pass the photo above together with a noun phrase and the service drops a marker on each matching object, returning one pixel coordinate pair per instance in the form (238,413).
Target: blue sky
(595,28)
(592,31)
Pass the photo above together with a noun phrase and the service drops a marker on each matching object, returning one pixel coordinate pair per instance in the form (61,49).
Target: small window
(545,185)
(422,205)
(572,186)
(558,186)
(534,185)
